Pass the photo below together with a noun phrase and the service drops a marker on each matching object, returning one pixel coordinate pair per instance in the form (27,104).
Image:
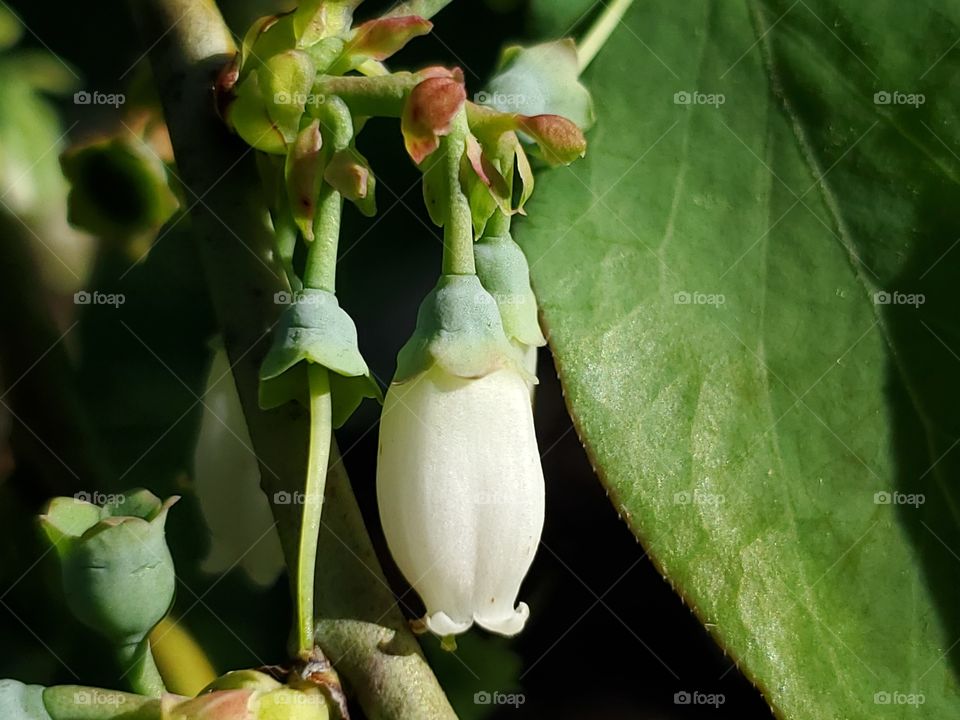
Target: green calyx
(315,329)
(141,207)
(458,328)
(504,273)
(118,575)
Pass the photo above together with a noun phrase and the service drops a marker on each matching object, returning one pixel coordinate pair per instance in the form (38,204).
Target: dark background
(608,637)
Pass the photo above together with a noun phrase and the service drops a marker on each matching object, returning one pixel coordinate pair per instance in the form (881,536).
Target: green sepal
(287,703)
(315,329)
(22,702)
(242,680)
(504,273)
(458,328)
(314,20)
(118,575)
(434,193)
(266,37)
(486,189)
(349,173)
(285,85)
(248,117)
(538,80)
(325,53)
(302,173)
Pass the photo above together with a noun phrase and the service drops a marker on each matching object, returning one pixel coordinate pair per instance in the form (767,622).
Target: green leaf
(732,284)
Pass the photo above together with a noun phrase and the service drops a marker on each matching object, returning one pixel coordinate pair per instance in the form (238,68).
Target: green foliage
(749,291)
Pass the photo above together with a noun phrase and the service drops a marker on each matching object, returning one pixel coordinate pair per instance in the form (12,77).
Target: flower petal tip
(441,624)
(507,626)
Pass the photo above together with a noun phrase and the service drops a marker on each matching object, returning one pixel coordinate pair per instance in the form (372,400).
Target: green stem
(321,268)
(600,31)
(458,225)
(498,225)
(336,127)
(285,230)
(141,671)
(318,458)
(372,96)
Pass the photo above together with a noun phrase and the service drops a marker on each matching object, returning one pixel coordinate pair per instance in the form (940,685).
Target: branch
(363,632)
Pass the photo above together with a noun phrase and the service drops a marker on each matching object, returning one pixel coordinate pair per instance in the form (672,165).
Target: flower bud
(249,695)
(542,79)
(503,270)
(147,201)
(117,572)
(459,482)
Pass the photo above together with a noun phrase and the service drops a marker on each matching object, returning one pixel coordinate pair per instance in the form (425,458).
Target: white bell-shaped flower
(459,482)
(461,495)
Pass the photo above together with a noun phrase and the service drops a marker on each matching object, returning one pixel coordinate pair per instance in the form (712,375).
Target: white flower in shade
(459,482)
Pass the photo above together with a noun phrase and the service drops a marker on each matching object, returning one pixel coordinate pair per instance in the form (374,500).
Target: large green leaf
(709,276)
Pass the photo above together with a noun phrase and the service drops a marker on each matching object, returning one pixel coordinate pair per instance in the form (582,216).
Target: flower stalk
(141,670)
(458,225)
(318,456)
